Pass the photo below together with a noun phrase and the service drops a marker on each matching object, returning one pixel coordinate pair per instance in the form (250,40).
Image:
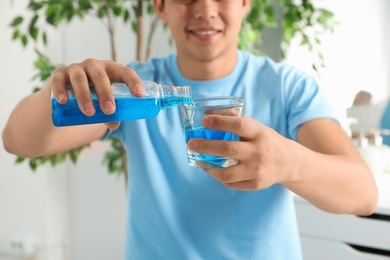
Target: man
(289,142)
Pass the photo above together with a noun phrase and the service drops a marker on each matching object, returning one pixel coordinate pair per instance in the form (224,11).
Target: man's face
(203,29)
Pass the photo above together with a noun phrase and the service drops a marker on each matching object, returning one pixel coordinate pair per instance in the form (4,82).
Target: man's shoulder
(274,73)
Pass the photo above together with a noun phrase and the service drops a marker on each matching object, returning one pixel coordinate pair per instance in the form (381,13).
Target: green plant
(298,19)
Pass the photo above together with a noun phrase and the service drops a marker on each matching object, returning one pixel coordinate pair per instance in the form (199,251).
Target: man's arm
(324,167)
(30,132)
(333,176)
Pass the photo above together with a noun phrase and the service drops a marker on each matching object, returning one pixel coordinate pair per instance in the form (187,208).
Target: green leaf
(135,9)
(69,16)
(118,10)
(305,40)
(15,35)
(101,13)
(24,40)
(126,16)
(51,19)
(326,13)
(34,21)
(314,67)
(17,21)
(36,89)
(73,156)
(134,26)
(79,14)
(320,56)
(51,10)
(19,160)
(34,33)
(32,29)
(85,5)
(44,38)
(150,9)
(33,164)
(34,6)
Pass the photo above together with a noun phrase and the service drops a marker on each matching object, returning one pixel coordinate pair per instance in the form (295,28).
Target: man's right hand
(100,73)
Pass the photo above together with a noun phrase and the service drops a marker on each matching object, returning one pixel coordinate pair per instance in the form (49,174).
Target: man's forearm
(335,183)
(29,130)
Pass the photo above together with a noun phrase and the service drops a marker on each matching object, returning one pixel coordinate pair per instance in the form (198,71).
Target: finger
(102,86)
(229,175)
(58,81)
(79,81)
(245,127)
(121,73)
(80,86)
(113,125)
(231,149)
(248,185)
(239,178)
(231,111)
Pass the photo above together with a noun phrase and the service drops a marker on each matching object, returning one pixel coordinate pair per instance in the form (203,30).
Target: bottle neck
(171,96)
(167,91)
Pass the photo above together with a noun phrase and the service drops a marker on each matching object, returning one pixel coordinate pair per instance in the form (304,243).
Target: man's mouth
(205,33)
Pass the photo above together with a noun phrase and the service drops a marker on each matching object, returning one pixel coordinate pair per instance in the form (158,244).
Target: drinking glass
(192,115)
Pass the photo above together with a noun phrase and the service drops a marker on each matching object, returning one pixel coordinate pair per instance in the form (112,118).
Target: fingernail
(108,105)
(207,121)
(139,89)
(88,107)
(61,97)
(192,144)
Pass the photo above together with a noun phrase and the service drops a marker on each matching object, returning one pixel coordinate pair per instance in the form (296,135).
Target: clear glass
(192,115)
(128,107)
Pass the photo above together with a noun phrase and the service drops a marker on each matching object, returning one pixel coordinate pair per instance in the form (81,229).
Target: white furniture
(327,236)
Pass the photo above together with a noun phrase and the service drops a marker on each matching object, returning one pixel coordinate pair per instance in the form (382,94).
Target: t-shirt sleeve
(109,134)
(305,101)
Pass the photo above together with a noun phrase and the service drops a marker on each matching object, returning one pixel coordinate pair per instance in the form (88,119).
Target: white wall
(357,55)
(26,209)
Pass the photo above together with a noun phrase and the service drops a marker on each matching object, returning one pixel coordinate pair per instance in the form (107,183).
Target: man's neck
(196,69)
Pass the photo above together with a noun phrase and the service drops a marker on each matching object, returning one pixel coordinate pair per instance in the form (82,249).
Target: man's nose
(205,9)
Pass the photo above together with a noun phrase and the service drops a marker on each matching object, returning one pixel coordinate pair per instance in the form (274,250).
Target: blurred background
(78,211)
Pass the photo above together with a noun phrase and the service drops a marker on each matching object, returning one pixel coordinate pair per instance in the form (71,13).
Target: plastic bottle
(128,107)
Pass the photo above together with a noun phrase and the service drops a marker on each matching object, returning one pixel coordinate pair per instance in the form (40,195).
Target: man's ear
(247,5)
(159,9)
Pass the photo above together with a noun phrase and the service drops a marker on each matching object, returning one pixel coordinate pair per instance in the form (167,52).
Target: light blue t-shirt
(179,212)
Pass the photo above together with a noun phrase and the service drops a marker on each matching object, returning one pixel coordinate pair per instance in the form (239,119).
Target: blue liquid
(208,134)
(126,109)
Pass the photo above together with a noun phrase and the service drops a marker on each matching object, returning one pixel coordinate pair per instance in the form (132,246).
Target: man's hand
(100,74)
(263,157)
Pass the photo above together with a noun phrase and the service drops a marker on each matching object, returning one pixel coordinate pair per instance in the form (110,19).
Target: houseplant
(297,18)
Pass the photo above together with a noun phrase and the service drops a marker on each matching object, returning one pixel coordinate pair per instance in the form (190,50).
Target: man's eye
(185,1)
(193,1)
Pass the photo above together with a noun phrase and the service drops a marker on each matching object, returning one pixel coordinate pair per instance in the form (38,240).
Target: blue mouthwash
(208,134)
(157,97)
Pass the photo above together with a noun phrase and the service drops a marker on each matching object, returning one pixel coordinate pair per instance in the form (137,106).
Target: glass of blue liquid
(192,115)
